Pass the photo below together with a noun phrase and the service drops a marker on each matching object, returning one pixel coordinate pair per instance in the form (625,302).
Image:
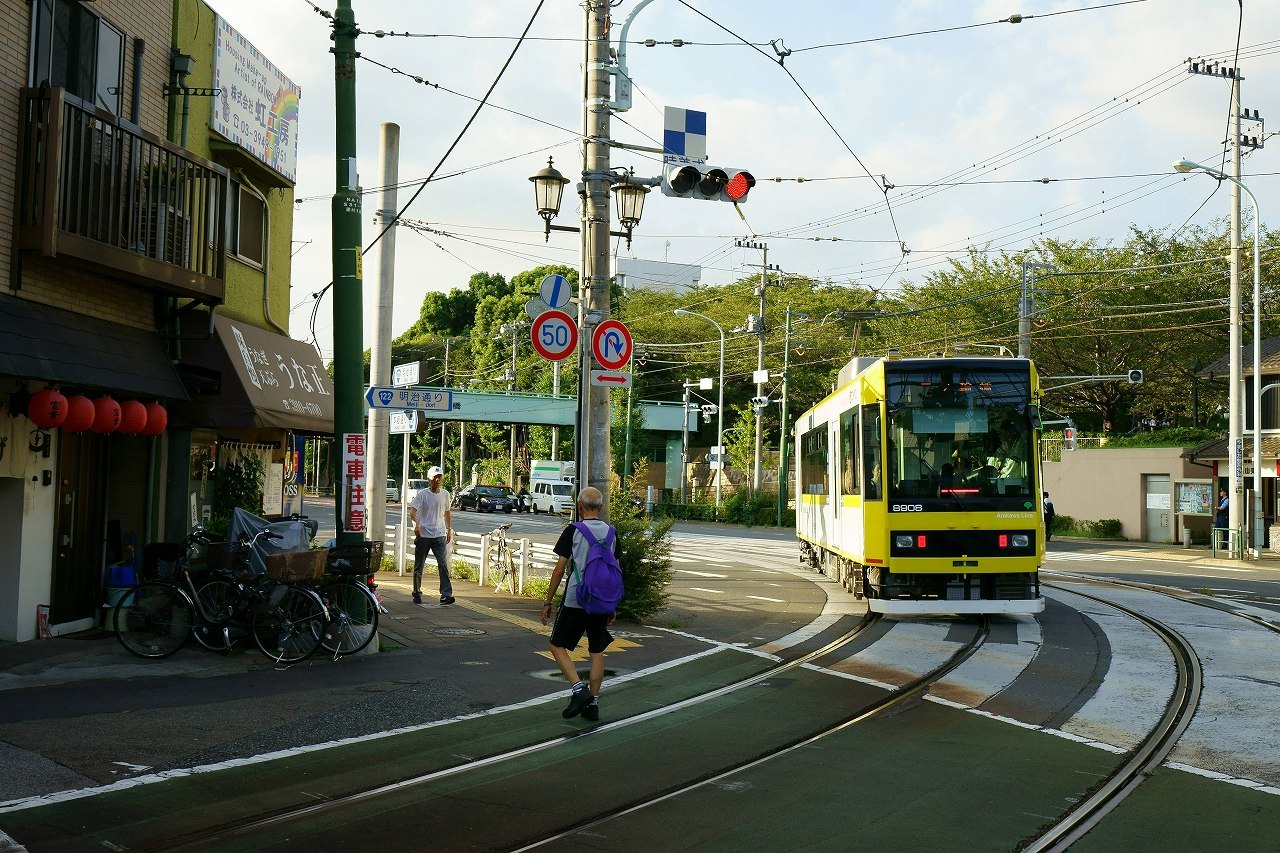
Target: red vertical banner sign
(353,482)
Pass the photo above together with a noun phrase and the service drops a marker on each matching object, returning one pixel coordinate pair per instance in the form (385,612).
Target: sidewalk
(1200,554)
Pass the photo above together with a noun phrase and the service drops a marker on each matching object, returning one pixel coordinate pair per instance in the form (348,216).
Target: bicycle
(348,592)
(155,618)
(504,558)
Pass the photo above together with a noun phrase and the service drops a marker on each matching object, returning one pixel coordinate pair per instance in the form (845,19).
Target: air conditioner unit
(166,234)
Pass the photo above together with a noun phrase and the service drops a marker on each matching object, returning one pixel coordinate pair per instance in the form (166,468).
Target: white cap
(435,471)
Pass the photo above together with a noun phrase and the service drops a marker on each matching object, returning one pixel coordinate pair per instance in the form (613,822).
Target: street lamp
(548,189)
(961,347)
(1237,423)
(720,405)
(629,193)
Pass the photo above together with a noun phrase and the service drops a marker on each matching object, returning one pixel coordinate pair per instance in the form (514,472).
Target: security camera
(1135,377)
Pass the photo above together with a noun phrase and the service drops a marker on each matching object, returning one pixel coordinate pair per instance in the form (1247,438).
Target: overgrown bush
(239,484)
(1172,437)
(759,510)
(1107,528)
(645,548)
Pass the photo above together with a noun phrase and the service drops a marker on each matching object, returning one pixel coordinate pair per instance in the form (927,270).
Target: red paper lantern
(106,417)
(133,417)
(157,420)
(80,414)
(47,408)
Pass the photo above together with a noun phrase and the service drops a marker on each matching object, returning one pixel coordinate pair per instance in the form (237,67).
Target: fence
(531,559)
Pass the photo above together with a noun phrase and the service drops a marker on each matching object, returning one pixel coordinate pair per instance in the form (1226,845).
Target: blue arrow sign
(555,290)
(421,399)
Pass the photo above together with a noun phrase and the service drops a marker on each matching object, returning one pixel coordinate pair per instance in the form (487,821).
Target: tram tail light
(1004,540)
(921,541)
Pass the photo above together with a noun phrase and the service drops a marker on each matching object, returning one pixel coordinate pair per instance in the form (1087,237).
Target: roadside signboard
(611,344)
(406,374)
(554,335)
(610,379)
(404,422)
(422,399)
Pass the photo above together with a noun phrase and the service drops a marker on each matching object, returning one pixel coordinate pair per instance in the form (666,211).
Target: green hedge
(1107,528)
(740,508)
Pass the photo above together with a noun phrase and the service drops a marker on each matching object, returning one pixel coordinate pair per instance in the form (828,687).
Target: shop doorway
(78,542)
(1159,507)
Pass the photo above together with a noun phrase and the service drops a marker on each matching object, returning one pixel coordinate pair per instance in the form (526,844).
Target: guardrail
(532,559)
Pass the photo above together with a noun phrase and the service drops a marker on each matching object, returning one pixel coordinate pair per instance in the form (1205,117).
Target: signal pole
(379,442)
(348,275)
(757,469)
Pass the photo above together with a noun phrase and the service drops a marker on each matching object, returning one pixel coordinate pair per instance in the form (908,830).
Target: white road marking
(712,591)
(701,574)
(762,598)
(768,571)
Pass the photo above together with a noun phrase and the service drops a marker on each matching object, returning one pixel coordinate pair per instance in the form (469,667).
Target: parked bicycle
(502,557)
(350,595)
(286,620)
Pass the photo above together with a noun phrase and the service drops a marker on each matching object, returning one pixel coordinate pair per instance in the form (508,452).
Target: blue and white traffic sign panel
(684,134)
(611,344)
(556,291)
(404,422)
(422,399)
(554,335)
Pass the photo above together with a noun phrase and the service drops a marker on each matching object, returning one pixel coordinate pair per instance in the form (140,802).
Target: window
(874,490)
(813,462)
(849,452)
(73,48)
(248,219)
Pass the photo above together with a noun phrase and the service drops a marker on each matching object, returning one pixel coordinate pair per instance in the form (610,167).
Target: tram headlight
(1021,540)
(904,540)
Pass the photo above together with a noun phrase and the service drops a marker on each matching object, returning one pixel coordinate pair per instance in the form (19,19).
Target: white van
(552,496)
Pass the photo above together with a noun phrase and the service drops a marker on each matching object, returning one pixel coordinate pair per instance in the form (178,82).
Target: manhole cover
(457,632)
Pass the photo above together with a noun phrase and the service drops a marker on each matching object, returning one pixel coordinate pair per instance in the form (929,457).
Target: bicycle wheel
(153,620)
(353,617)
(292,629)
(218,599)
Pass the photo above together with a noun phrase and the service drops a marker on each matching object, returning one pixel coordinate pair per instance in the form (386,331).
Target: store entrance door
(78,542)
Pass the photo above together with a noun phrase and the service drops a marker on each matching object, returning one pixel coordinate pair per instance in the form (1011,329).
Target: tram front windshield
(960,436)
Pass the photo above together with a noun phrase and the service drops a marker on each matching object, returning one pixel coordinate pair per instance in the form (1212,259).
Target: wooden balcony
(105,193)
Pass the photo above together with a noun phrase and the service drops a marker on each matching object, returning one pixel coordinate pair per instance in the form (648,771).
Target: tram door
(1158,507)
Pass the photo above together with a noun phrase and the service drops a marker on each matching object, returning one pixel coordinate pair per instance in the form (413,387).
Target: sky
(963,113)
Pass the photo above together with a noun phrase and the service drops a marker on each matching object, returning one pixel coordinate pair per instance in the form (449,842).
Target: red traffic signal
(1069,438)
(707,183)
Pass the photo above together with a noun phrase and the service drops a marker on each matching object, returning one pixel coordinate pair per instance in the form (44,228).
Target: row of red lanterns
(49,409)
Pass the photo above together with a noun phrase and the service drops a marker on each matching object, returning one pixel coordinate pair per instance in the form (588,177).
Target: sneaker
(447,599)
(579,700)
(591,712)
(417,598)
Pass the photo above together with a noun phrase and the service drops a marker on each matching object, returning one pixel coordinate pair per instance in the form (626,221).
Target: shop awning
(267,380)
(74,350)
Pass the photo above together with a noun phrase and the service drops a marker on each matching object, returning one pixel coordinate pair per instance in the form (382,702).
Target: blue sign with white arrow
(420,399)
(556,291)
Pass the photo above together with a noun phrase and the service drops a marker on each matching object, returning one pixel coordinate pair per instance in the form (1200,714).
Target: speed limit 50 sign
(554,335)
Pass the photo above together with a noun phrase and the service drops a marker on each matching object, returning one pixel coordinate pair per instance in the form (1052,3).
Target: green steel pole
(782,442)
(348,301)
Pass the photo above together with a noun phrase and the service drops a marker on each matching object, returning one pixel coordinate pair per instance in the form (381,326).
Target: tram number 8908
(906,508)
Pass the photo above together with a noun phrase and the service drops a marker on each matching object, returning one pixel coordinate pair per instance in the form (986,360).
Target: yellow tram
(918,484)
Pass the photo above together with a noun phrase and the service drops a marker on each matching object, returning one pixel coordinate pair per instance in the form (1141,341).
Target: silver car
(393,491)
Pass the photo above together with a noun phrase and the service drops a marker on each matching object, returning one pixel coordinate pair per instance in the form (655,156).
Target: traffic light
(760,403)
(1069,438)
(1135,377)
(707,183)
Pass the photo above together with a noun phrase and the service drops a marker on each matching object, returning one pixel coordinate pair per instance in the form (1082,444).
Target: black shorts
(572,622)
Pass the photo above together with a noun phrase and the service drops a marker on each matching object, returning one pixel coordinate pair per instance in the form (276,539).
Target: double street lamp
(720,404)
(629,193)
(1237,421)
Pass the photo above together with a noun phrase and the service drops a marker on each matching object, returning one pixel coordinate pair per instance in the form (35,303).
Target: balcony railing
(95,188)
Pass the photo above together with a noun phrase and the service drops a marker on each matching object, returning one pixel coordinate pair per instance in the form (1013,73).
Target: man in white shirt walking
(432,528)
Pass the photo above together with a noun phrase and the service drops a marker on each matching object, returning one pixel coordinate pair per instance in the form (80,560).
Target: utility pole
(1235,411)
(593,305)
(379,443)
(684,445)
(757,469)
(512,329)
(783,450)
(348,275)
(1026,301)
(444,425)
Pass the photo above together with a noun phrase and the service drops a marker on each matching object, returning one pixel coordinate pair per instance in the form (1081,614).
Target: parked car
(413,487)
(393,492)
(552,496)
(486,499)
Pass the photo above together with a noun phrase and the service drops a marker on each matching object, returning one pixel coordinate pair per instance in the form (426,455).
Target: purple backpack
(600,578)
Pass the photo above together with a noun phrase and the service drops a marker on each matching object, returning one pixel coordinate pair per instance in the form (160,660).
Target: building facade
(143,273)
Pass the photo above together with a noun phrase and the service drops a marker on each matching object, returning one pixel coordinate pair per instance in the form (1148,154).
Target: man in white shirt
(432,528)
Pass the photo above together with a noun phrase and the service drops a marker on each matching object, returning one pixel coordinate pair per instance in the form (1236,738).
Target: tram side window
(813,461)
(871,460)
(849,452)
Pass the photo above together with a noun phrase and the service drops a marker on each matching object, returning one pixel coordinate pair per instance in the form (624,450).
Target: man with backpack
(588,548)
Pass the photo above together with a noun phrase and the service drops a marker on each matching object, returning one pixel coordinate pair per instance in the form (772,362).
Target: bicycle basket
(296,566)
(364,558)
(220,556)
(160,560)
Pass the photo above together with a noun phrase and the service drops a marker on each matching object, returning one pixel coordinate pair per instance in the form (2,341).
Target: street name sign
(422,399)
(404,422)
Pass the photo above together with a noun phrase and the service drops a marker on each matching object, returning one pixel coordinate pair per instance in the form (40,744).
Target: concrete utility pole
(757,468)
(380,347)
(348,275)
(783,450)
(593,304)
(1235,411)
(1026,301)
(444,381)
(512,329)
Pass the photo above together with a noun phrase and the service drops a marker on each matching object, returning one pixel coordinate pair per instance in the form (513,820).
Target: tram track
(1147,755)
(892,700)
(243,827)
